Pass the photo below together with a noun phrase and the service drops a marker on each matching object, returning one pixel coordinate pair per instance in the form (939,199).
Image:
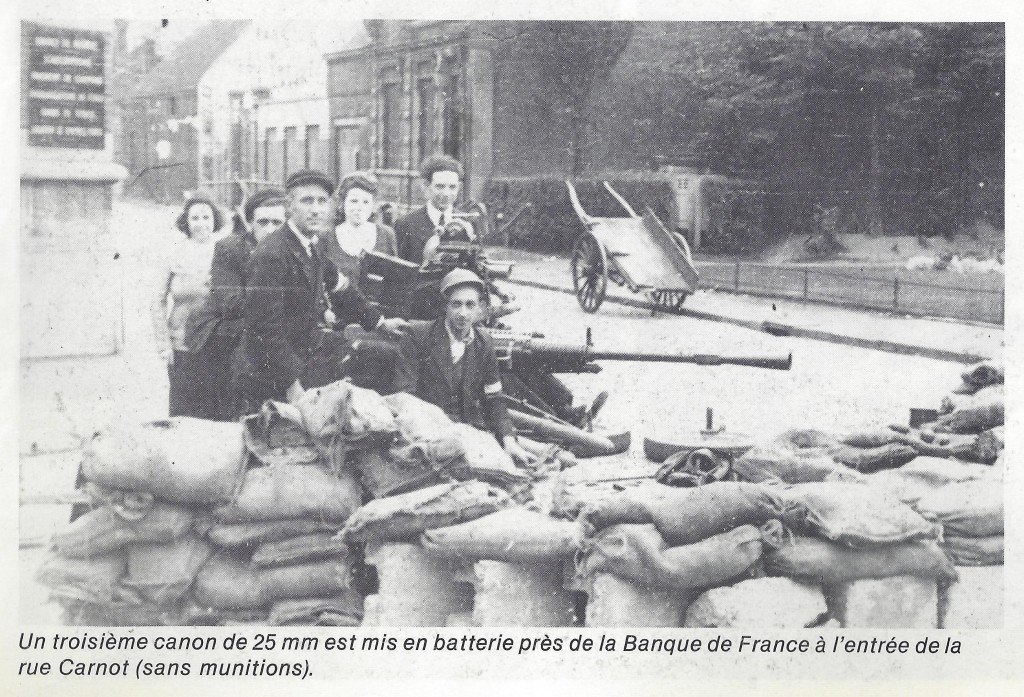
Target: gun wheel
(589,272)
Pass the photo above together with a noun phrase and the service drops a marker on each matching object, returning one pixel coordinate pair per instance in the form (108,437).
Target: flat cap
(310,176)
(461,277)
(264,197)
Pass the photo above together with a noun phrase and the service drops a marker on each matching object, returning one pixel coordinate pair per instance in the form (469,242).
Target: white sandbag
(515,535)
(181,460)
(278,493)
(924,475)
(971,509)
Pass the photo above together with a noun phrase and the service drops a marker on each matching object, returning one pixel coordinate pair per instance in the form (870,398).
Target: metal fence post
(896,293)
(806,274)
(736,277)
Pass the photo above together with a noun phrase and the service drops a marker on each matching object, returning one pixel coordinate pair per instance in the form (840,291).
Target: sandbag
(79,613)
(923,475)
(276,436)
(181,460)
(867,460)
(638,553)
(402,469)
(974,551)
(483,458)
(985,373)
(343,610)
(278,493)
(91,579)
(515,535)
(989,444)
(341,409)
(105,530)
(762,464)
(982,411)
(820,561)
(251,534)
(403,517)
(805,441)
(685,516)
(855,515)
(300,550)
(229,583)
(163,573)
(971,508)
(416,419)
(872,438)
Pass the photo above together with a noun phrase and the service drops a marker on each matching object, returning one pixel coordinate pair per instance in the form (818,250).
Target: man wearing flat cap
(286,298)
(216,326)
(451,363)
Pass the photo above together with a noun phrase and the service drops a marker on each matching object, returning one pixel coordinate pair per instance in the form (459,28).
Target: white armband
(492,389)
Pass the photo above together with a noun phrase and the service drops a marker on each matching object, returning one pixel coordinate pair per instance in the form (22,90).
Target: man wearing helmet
(451,362)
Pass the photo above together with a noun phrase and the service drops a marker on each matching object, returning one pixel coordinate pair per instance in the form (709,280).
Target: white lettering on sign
(50,113)
(68,60)
(88,80)
(86,44)
(45,77)
(47,94)
(44,130)
(47,41)
(86,114)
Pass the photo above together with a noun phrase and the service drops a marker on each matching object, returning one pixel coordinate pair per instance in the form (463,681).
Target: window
(267,137)
(390,121)
(425,91)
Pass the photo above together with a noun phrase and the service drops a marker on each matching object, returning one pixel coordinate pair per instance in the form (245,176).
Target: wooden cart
(637,252)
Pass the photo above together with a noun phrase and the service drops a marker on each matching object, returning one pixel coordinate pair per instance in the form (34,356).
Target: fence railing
(977,298)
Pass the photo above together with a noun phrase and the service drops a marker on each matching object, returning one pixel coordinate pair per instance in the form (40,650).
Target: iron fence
(978,298)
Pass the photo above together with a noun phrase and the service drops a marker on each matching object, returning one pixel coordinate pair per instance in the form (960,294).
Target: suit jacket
(223,310)
(412,232)
(425,369)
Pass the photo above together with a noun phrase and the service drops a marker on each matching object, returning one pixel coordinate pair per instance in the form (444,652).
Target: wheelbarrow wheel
(589,272)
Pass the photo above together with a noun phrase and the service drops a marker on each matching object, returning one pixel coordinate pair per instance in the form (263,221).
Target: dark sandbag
(515,535)
(820,561)
(638,553)
(985,373)
(181,460)
(230,583)
(924,475)
(105,529)
(974,551)
(605,505)
(300,550)
(873,438)
(402,469)
(251,534)
(970,509)
(855,515)
(484,459)
(776,464)
(343,410)
(92,579)
(278,493)
(163,573)
(867,460)
(404,517)
(343,610)
(686,516)
(989,444)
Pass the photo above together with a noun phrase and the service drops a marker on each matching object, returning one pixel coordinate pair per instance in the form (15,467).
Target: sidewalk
(933,338)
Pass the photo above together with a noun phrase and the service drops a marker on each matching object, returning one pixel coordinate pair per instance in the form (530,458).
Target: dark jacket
(412,232)
(222,312)
(425,369)
(284,305)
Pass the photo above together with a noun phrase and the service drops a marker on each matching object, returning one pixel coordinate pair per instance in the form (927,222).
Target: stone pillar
(480,121)
(70,295)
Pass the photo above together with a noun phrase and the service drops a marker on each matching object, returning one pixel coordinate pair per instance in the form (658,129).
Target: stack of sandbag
(977,404)
(133,558)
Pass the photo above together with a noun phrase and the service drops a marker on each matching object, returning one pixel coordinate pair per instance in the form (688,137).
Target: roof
(184,68)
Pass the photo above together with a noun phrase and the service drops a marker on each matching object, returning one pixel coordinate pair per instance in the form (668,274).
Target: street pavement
(831,385)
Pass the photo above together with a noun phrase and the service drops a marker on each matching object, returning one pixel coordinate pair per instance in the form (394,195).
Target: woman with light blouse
(356,234)
(183,286)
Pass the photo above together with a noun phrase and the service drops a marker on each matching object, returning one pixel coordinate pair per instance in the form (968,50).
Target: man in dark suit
(442,180)
(216,326)
(286,299)
(451,362)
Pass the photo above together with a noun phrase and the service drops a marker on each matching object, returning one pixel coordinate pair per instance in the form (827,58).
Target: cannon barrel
(565,357)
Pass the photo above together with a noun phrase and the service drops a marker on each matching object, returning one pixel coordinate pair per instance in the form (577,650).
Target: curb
(777,329)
